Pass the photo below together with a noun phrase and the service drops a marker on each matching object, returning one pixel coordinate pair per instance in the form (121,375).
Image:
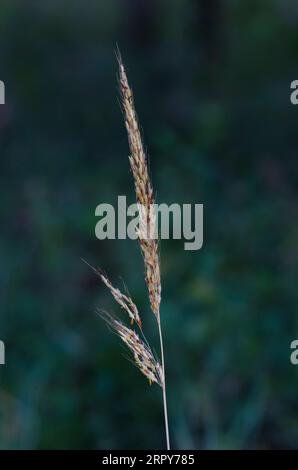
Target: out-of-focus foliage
(212,85)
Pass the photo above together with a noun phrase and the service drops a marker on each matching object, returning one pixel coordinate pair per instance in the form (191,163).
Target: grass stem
(164,388)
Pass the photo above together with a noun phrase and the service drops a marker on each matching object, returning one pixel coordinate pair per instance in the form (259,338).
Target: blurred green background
(212,89)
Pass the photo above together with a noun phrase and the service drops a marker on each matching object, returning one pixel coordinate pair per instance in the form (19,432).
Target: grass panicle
(142,354)
(144,192)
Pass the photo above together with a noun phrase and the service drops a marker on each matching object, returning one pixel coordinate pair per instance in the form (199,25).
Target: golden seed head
(144,193)
(142,354)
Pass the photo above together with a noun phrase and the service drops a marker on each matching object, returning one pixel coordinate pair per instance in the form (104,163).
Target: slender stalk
(164,389)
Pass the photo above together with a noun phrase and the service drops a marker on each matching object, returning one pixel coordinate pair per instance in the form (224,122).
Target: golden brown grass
(141,351)
(144,193)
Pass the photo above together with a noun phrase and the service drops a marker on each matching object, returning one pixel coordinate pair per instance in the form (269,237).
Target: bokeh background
(212,88)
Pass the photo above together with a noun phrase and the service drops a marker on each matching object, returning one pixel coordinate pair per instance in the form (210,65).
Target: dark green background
(212,88)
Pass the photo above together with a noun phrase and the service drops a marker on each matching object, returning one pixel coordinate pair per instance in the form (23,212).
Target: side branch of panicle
(142,354)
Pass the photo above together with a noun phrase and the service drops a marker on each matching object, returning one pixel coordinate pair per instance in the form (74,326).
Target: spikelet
(123,300)
(142,354)
(144,194)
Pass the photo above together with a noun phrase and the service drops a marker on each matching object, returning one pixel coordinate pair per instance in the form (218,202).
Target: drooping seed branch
(142,354)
